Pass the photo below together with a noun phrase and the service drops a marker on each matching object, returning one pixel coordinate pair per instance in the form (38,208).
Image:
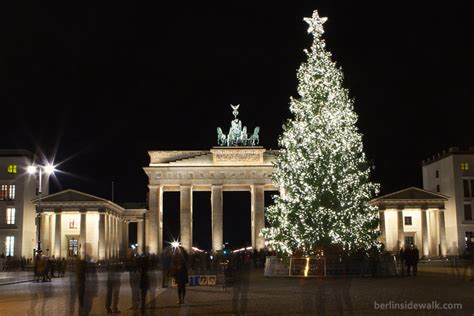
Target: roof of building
(75,197)
(451,151)
(16,153)
(412,193)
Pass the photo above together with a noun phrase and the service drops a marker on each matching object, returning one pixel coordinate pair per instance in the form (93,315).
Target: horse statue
(221,138)
(244,136)
(253,139)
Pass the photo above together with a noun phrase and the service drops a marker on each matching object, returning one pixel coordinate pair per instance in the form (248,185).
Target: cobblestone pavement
(257,295)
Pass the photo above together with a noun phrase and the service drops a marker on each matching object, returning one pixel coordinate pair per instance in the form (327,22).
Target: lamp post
(48,169)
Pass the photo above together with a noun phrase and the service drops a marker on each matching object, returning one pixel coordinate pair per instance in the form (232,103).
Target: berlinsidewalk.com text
(410,305)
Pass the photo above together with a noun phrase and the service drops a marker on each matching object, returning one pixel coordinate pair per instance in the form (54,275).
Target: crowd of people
(14,263)
(409,257)
(46,268)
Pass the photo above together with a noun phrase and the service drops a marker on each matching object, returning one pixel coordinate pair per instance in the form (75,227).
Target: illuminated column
(442,232)
(45,232)
(154,231)
(383,232)
(124,238)
(401,234)
(433,235)
(118,235)
(82,235)
(114,236)
(107,236)
(424,233)
(102,250)
(186,216)
(217,217)
(140,226)
(258,219)
(57,236)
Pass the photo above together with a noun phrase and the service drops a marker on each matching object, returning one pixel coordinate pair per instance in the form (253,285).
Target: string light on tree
(321,168)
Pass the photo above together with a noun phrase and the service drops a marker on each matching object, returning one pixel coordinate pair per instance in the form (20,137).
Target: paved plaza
(255,294)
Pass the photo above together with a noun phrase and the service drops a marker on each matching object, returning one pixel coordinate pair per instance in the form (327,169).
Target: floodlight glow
(49,169)
(175,244)
(31,169)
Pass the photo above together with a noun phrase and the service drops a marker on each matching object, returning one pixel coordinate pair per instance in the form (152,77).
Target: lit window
(4,192)
(467,212)
(464,166)
(11,192)
(11,215)
(10,245)
(11,169)
(408,220)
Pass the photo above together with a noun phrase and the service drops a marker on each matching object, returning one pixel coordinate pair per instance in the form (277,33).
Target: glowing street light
(48,169)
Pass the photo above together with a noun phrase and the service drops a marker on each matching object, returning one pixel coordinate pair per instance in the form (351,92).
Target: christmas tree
(321,170)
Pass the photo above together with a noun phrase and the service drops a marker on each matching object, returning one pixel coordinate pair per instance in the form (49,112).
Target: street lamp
(48,169)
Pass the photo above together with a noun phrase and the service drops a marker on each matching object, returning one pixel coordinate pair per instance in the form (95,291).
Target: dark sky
(98,86)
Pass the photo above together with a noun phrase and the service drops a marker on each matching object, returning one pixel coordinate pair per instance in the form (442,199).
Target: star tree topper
(316,23)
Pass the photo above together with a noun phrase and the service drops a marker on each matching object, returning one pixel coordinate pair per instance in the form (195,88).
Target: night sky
(98,86)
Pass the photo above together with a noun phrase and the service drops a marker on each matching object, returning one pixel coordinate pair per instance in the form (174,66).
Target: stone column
(442,232)
(383,232)
(258,219)
(217,217)
(124,238)
(102,250)
(82,235)
(154,231)
(424,233)
(140,226)
(186,216)
(45,233)
(108,254)
(114,236)
(401,233)
(57,236)
(120,236)
(433,235)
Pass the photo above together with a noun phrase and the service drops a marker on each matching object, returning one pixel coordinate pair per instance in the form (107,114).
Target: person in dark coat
(113,287)
(402,261)
(165,266)
(143,267)
(416,258)
(179,272)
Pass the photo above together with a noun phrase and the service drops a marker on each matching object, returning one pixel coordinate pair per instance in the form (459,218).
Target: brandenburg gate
(237,164)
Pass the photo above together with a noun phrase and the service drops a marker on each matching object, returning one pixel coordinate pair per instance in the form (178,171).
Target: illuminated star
(315,23)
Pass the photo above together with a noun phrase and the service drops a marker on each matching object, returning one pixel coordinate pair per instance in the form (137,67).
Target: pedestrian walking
(113,288)
(179,271)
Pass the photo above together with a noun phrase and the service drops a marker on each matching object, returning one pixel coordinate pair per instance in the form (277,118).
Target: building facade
(413,217)
(17,212)
(452,173)
(217,170)
(76,224)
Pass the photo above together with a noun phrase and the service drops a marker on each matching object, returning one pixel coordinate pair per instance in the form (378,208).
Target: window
(466,188)
(4,192)
(472,186)
(437,188)
(73,247)
(437,174)
(464,166)
(467,212)
(409,240)
(408,220)
(11,192)
(10,245)
(7,192)
(11,169)
(11,215)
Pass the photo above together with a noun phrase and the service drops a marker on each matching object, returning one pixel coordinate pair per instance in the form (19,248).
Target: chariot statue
(237,135)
